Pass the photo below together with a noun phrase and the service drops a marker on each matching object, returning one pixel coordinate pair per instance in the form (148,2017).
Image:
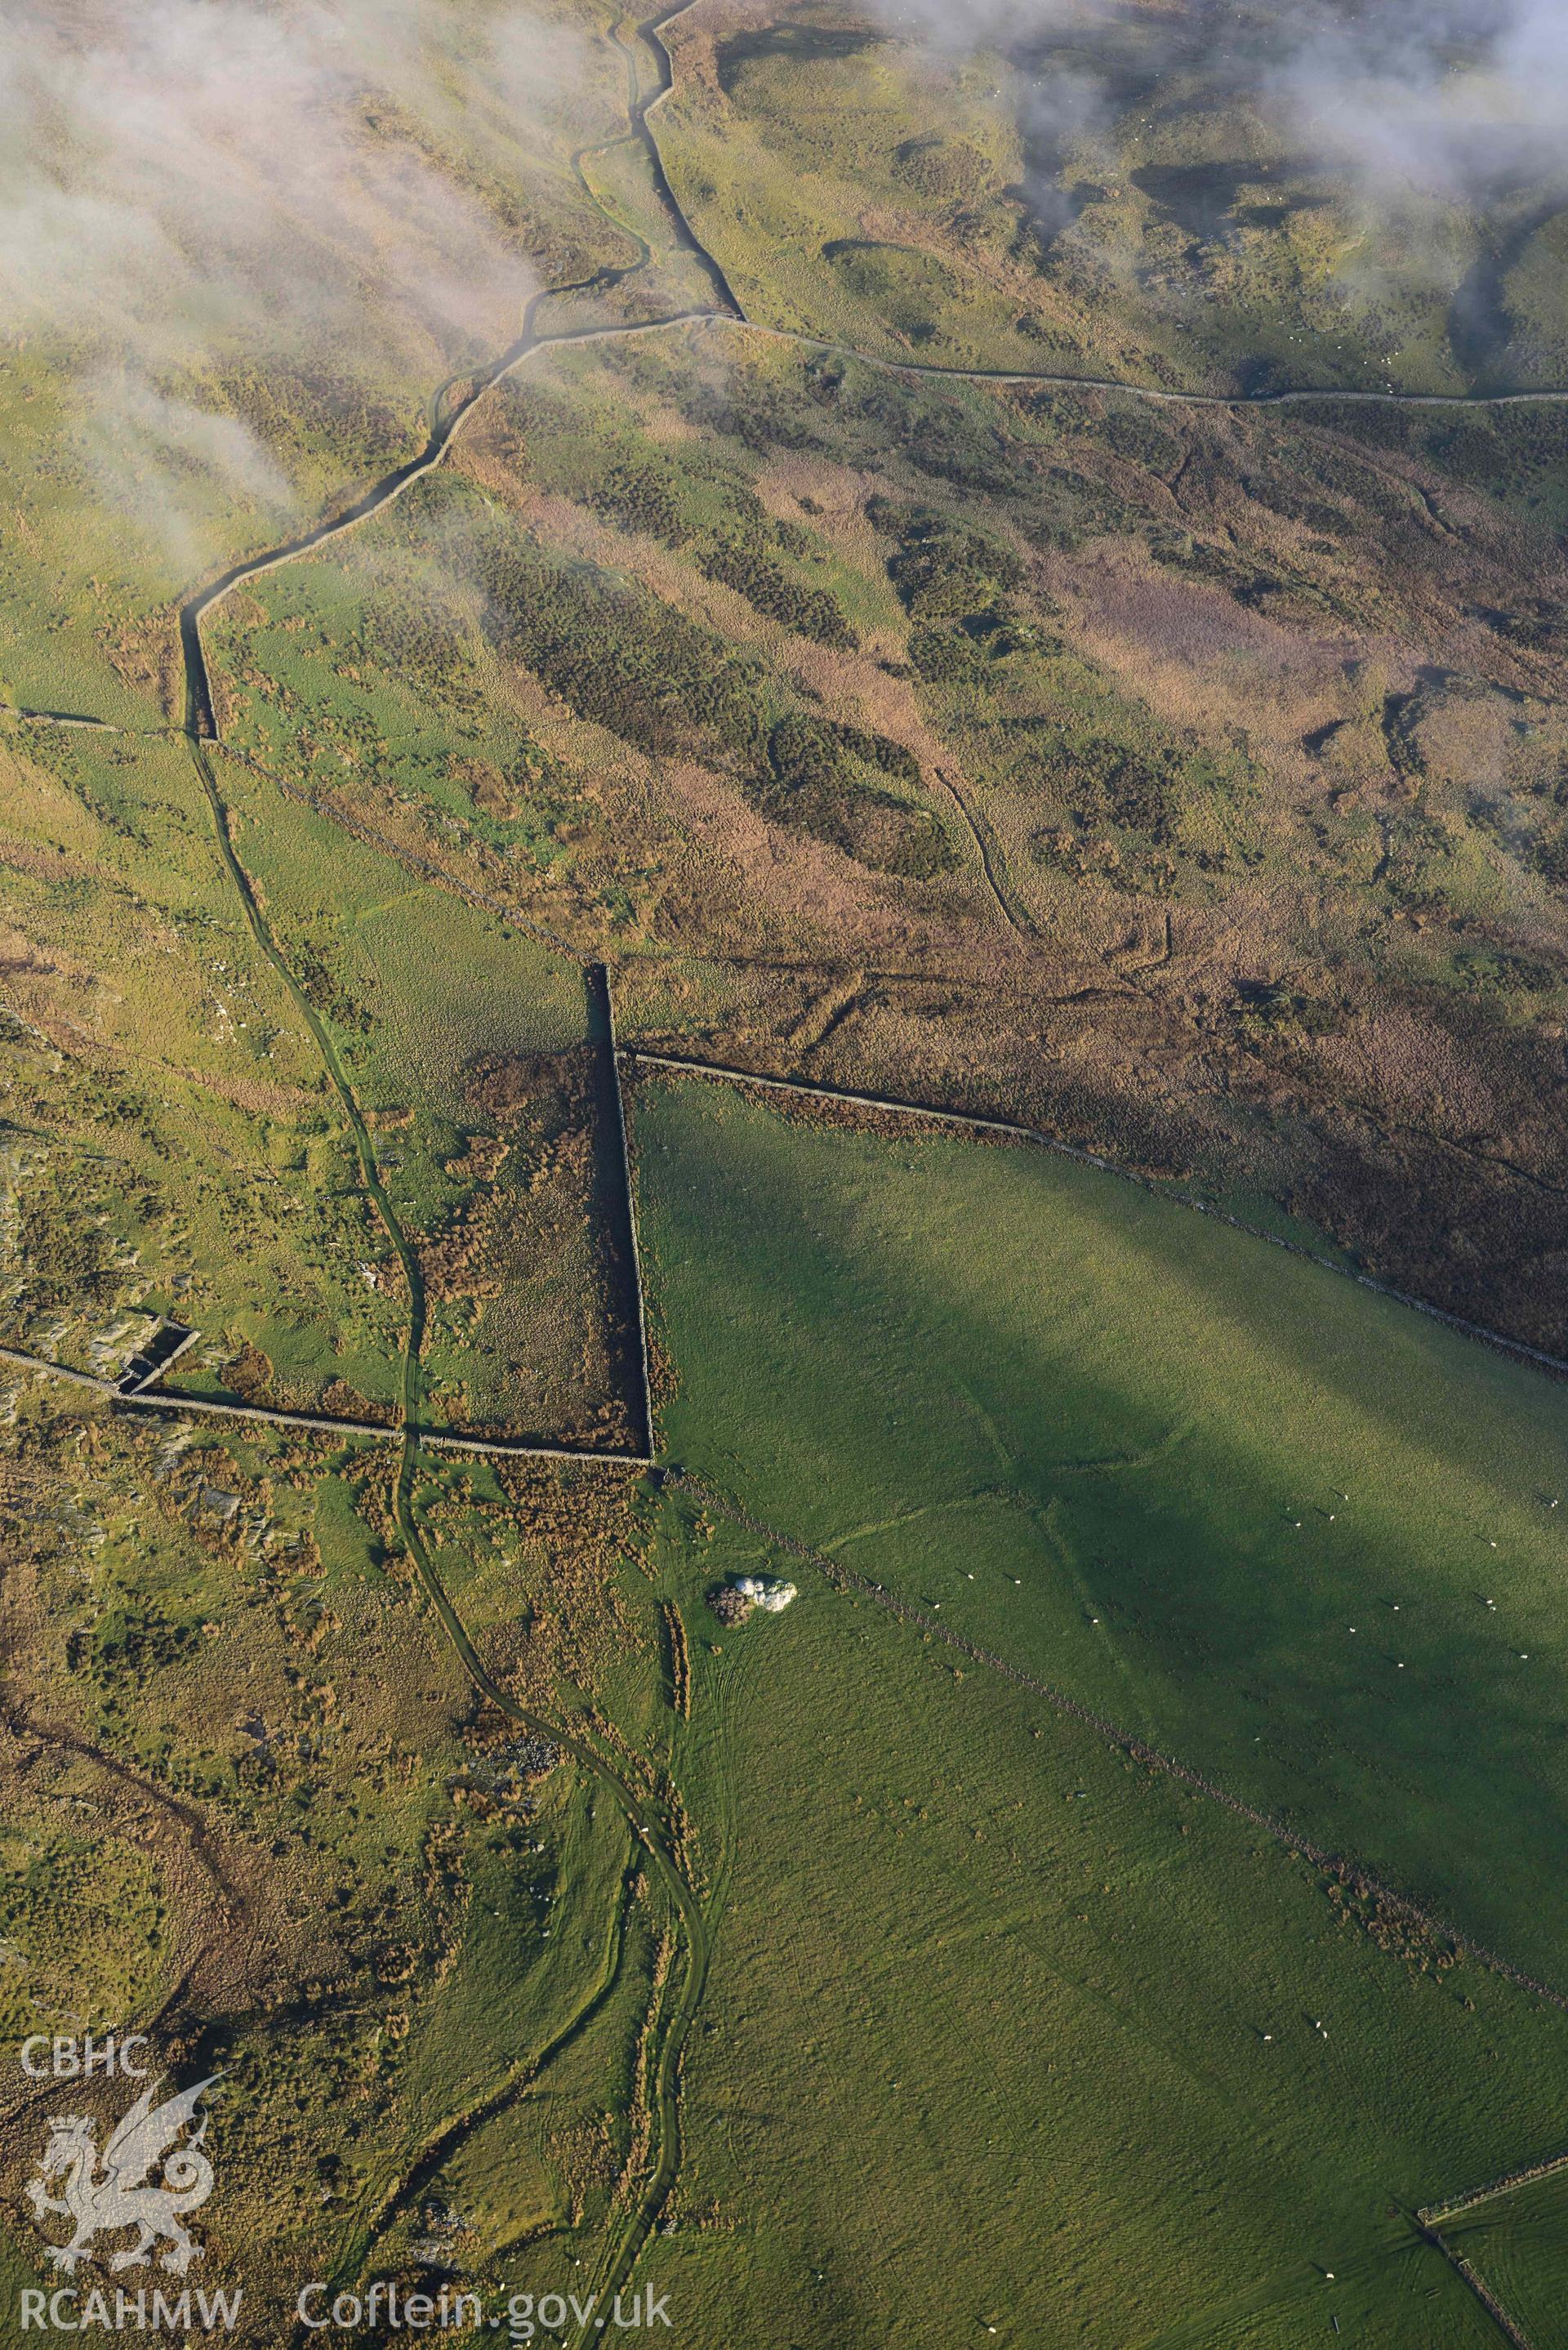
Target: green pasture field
(1040,2093)
(1247,1510)
(1088,2058)
(985,2036)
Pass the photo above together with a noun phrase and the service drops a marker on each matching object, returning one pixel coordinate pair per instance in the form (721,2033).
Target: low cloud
(1446,102)
(193,191)
(166,465)
(1457,100)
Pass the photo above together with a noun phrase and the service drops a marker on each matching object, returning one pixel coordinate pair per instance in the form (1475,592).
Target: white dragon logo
(105,2200)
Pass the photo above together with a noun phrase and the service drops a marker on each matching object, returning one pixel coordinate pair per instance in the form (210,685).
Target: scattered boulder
(730,1606)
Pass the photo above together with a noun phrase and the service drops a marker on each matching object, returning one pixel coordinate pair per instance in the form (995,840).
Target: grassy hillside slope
(1249,1511)
(1007,2038)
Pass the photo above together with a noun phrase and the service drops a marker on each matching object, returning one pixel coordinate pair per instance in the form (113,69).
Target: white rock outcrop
(765,1592)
